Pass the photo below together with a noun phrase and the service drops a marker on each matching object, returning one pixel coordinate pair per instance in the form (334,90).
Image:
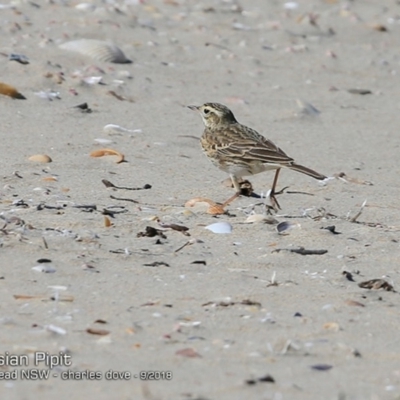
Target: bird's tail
(307,171)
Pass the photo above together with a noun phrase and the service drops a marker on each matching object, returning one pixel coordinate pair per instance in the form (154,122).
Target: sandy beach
(99,277)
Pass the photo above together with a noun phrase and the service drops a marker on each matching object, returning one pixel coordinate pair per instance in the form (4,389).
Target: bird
(241,151)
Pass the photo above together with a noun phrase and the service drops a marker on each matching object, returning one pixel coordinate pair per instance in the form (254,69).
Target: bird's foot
(274,202)
(216,209)
(281,191)
(245,186)
(271,195)
(275,206)
(229,201)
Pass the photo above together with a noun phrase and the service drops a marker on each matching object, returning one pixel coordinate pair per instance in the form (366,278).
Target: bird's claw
(274,202)
(282,191)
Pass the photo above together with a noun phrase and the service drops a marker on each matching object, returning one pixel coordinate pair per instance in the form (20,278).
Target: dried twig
(302,251)
(110,184)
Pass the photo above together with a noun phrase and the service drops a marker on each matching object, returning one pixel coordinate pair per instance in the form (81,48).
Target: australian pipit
(241,151)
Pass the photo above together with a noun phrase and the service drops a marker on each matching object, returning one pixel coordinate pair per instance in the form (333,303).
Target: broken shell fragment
(112,129)
(19,58)
(220,227)
(379,27)
(103,141)
(254,218)
(107,222)
(48,95)
(97,49)
(11,91)
(85,7)
(42,158)
(307,108)
(95,331)
(47,269)
(284,226)
(50,179)
(56,329)
(213,209)
(92,80)
(108,152)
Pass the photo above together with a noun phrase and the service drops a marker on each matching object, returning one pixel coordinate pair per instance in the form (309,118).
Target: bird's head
(215,115)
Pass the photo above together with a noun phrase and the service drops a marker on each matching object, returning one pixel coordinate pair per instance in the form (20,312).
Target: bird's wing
(249,145)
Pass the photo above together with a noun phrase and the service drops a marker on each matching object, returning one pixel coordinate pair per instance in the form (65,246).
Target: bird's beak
(195,108)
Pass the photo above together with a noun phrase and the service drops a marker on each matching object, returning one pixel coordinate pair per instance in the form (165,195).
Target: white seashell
(104,340)
(124,74)
(111,128)
(57,287)
(220,227)
(97,49)
(92,80)
(56,329)
(240,27)
(291,5)
(64,318)
(118,82)
(103,141)
(47,269)
(260,218)
(85,7)
(190,324)
(307,108)
(254,218)
(48,95)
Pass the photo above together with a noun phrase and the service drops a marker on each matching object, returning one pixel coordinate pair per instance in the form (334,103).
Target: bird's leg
(236,185)
(272,193)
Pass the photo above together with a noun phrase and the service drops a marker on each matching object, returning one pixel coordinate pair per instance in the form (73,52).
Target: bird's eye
(206,111)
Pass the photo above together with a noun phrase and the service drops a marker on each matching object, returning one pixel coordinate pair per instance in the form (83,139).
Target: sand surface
(228,315)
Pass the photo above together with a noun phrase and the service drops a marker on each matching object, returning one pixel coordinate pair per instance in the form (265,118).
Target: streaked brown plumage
(241,151)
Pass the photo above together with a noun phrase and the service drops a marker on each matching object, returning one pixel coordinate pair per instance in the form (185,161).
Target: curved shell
(108,152)
(97,49)
(220,227)
(42,158)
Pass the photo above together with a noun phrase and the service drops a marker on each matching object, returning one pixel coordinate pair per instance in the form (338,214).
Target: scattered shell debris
(101,265)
